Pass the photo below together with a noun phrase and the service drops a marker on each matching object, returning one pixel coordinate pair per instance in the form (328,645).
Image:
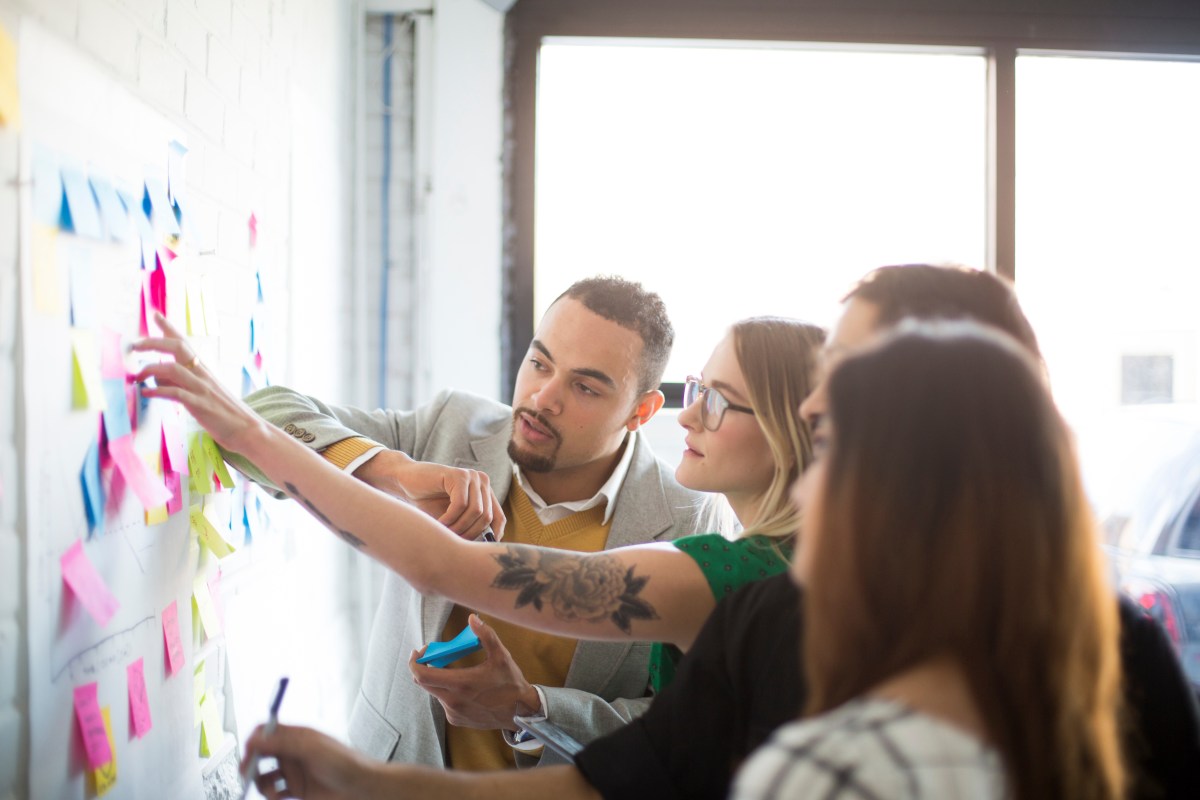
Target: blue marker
(250,771)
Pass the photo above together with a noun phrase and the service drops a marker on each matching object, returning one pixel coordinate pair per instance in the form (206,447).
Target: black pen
(250,771)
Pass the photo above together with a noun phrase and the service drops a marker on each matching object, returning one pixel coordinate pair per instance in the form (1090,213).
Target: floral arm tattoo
(591,589)
(316,512)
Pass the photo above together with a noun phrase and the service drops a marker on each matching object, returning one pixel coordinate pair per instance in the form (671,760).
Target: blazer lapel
(642,515)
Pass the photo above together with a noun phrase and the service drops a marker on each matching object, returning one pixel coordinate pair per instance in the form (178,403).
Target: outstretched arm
(649,592)
(315,767)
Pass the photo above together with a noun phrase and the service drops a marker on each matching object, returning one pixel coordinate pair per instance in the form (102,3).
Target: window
(741,179)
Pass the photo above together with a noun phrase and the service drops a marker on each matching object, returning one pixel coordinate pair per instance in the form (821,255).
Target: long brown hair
(778,359)
(954,523)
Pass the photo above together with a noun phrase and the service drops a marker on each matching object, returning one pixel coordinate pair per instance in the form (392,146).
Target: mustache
(541,420)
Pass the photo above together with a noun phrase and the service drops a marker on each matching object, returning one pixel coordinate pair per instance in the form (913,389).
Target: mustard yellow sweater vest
(543,658)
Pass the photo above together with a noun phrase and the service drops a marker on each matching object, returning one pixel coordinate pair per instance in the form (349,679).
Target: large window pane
(738,180)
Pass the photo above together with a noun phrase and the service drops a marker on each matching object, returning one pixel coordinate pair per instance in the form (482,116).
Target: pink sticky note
(253,225)
(139,703)
(174,456)
(112,360)
(91,725)
(158,290)
(170,623)
(89,587)
(175,486)
(150,492)
(143,328)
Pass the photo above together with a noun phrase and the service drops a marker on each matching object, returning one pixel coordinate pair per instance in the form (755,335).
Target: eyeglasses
(712,412)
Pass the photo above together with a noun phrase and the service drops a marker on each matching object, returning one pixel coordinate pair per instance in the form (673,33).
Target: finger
(498,518)
(250,753)
(166,327)
(458,491)
(268,782)
(487,637)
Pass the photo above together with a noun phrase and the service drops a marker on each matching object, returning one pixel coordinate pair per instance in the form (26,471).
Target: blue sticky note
(252,348)
(439,654)
(47,189)
(116,218)
(176,150)
(133,207)
(83,294)
(158,207)
(258,277)
(93,490)
(80,214)
(116,412)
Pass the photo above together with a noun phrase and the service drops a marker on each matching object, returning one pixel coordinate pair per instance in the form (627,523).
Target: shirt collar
(608,492)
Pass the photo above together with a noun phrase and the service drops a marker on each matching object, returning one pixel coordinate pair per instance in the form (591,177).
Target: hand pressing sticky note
(171,638)
(96,743)
(87,584)
(139,702)
(105,776)
(202,602)
(207,534)
(212,732)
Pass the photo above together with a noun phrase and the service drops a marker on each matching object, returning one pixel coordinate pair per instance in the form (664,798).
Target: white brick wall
(226,72)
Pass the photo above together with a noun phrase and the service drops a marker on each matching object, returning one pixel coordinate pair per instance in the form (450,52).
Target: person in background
(960,638)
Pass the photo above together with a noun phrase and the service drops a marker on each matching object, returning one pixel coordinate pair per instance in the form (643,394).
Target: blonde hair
(778,359)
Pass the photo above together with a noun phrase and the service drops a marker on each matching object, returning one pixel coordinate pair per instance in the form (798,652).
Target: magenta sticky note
(170,623)
(158,290)
(174,454)
(150,491)
(90,588)
(91,725)
(175,486)
(112,359)
(139,703)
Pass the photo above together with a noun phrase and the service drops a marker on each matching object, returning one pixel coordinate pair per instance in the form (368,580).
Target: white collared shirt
(549,514)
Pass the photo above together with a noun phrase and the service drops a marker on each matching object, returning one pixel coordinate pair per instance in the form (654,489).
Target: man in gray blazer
(588,383)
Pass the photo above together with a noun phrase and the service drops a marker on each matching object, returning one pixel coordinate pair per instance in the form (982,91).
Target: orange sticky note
(87,585)
(170,624)
(97,744)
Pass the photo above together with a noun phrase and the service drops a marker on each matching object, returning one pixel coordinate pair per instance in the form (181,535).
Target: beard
(534,462)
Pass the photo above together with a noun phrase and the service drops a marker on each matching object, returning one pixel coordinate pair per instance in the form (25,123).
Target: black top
(741,680)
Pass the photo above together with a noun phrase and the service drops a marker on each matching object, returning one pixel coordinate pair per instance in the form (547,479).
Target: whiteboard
(72,111)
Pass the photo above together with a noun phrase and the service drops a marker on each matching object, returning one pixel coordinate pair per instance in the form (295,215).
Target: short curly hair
(634,308)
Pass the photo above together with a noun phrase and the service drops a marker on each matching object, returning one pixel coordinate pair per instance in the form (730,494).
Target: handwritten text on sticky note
(170,623)
(91,724)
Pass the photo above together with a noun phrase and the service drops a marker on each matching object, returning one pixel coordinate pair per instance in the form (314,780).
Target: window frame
(1001,29)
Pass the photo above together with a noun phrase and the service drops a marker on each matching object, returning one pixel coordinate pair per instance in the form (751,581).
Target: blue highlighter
(439,654)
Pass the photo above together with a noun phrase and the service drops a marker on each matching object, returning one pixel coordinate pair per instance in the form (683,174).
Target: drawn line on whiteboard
(97,645)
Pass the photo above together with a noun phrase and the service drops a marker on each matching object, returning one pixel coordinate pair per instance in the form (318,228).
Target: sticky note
(212,731)
(87,584)
(202,602)
(197,322)
(82,291)
(199,688)
(116,410)
(208,534)
(150,492)
(173,456)
(171,639)
(156,516)
(112,210)
(214,590)
(47,292)
(93,489)
(217,463)
(137,213)
(158,290)
(158,207)
(10,99)
(176,190)
(139,703)
(88,388)
(252,224)
(112,355)
(92,726)
(174,483)
(47,189)
(105,775)
(80,215)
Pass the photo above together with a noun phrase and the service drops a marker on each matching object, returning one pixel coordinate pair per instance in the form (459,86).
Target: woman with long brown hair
(961,640)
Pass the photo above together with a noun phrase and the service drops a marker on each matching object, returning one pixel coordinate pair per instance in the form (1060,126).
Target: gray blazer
(394,719)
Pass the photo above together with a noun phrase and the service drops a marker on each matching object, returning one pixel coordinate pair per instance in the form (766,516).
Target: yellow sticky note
(106,776)
(199,687)
(197,324)
(156,516)
(207,534)
(202,602)
(10,100)
(200,477)
(47,287)
(159,514)
(217,463)
(212,732)
(88,387)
